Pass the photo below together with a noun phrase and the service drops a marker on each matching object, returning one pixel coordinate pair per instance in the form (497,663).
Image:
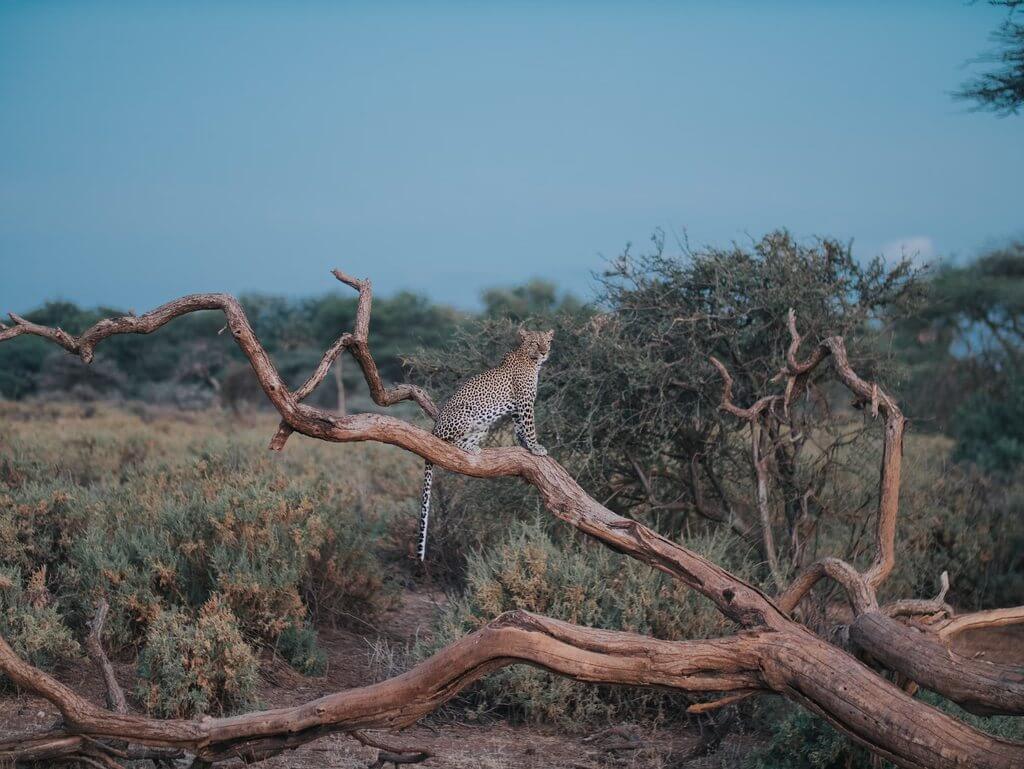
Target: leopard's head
(536,345)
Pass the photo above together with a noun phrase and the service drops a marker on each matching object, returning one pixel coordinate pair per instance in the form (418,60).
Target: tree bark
(980,687)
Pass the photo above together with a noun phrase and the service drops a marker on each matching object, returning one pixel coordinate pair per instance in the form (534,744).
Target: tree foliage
(631,402)
(189,364)
(1001,88)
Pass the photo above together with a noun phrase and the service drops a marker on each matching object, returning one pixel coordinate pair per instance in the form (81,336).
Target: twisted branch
(357,343)
(597,656)
(772,652)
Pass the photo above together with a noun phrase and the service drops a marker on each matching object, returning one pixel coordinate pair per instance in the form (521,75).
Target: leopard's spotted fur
(510,388)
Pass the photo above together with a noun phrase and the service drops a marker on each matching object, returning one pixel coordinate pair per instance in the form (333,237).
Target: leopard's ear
(549,335)
(523,334)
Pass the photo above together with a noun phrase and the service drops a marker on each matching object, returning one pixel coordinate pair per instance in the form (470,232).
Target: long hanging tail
(428,481)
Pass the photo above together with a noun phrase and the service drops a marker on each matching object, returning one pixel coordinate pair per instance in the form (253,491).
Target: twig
(115,695)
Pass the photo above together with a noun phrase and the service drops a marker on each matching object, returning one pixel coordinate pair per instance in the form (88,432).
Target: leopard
(509,389)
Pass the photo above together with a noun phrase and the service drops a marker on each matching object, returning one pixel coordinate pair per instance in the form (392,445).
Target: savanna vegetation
(143,478)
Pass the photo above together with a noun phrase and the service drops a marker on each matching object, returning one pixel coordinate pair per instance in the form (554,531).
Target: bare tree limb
(1013,615)
(389,754)
(919,606)
(760,462)
(357,343)
(892,451)
(773,652)
(597,656)
(94,645)
(977,686)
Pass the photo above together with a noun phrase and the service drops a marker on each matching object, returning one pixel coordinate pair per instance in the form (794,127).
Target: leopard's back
(473,409)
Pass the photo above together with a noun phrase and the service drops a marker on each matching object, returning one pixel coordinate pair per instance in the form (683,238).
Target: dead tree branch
(1013,615)
(94,645)
(771,652)
(759,460)
(358,343)
(978,686)
(597,656)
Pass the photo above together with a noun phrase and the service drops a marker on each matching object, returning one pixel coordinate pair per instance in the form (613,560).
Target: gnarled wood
(597,656)
(357,343)
(94,645)
(773,653)
(978,686)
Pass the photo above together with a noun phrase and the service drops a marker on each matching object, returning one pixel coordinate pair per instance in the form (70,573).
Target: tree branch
(357,343)
(597,656)
(977,686)
(1013,615)
(94,645)
(774,652)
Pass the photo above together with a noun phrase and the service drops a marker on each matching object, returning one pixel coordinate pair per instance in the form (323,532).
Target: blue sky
(149,150)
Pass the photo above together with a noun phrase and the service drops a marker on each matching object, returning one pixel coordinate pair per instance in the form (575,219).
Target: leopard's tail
(428,482)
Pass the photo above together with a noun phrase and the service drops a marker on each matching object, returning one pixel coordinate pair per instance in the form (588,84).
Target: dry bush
(576,581)
(161,516)
(30,620)
(191,667)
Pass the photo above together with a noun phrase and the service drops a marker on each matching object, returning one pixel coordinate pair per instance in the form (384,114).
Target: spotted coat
(508,389)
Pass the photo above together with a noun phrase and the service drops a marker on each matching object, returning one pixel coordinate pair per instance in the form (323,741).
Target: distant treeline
(954,332)
(188,364)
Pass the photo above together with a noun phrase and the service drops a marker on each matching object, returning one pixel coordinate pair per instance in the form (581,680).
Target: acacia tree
(771,651)
(629,403)
(1001,88)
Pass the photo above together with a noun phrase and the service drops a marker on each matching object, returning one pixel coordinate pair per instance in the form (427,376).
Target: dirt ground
(456,743)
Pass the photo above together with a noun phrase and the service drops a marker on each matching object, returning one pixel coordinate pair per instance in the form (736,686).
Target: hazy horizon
(150,151)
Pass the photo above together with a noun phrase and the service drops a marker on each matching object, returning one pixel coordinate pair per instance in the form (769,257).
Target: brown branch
(22,326)
(774,653)
(858,592)
(892,458)
(1013,615)
(919,606)
(94,645)
(749,414)
(977,686)
(358,344)
(390,753)
(721,702)
(760,461)
(753,415)
(597,656)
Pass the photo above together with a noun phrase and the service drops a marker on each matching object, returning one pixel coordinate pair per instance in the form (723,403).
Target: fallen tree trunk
(586,654)
(772,652)
(980,687)
(796,664)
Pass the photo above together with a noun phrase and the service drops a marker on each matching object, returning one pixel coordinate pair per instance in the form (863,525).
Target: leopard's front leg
(526,430)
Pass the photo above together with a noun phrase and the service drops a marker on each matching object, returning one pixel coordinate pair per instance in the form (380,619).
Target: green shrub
(581,582)
(801,740)
(298,645)
(30,621)
(161,515)
(1004,727)
(187,668)
(989,428)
